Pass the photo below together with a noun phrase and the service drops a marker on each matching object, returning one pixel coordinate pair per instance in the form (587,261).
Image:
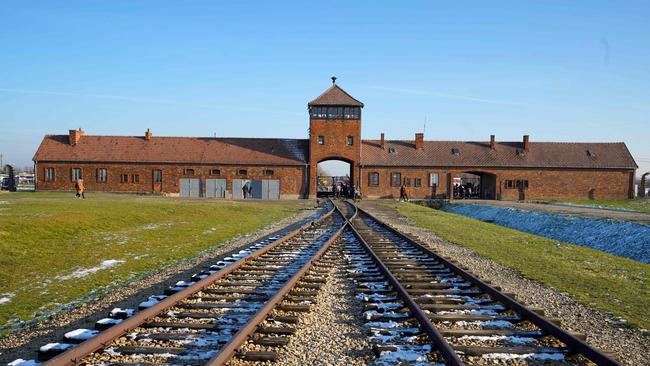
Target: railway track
(205,322)
(419,308)
(407,287)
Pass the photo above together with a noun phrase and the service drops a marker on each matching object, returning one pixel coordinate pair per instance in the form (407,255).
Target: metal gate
(237,184)
(215,188)
(267,189)
(271,189)
(190,187)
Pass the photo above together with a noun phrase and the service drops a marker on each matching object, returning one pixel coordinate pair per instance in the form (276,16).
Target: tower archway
(334,174)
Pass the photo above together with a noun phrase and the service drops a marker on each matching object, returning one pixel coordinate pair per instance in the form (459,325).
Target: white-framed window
(157,176)
(50,175)
(321,140)
(350,141)
(433,179)
(102,175)
(76,174)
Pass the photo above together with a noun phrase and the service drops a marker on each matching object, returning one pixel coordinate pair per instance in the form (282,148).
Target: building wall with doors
(142,178)
(538,183)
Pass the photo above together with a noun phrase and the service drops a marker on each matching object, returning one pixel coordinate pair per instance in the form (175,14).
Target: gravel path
(332,333)
(604,331)
(25,343)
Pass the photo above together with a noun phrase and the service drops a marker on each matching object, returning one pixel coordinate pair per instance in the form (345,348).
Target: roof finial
(334,80)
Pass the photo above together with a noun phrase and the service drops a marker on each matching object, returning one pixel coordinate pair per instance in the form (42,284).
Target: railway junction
(268,302)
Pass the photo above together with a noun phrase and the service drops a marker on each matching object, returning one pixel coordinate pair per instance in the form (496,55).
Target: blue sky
(557,70)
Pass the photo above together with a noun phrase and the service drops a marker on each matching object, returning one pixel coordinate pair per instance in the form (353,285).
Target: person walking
(244,190)
(79,186)
(403,195)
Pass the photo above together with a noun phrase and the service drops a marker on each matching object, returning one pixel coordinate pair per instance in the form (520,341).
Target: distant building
(287,168)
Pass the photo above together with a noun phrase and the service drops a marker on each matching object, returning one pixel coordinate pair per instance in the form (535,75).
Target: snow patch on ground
(621,238)
(6,298)
(86,271)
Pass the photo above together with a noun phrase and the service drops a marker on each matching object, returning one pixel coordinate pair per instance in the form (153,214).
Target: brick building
(287,168)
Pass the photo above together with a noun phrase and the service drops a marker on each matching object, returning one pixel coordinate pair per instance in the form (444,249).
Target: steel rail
(103,339)
(230,349)
(575,344)
(445,349)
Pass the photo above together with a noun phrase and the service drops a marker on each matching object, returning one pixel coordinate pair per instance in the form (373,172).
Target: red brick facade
(292,179)
(542,183)
(549,170)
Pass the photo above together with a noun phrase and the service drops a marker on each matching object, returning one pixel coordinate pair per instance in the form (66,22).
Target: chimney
(381,141)
(148,135)
(75,136)
(493,142)
(526,142)
(419,141)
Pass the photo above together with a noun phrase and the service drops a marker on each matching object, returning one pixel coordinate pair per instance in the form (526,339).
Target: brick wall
(292,182)
(542,183)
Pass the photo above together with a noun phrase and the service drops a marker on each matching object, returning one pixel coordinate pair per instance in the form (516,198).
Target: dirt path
(637,217)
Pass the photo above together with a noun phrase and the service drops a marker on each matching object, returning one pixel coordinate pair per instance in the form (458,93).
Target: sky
(556,70)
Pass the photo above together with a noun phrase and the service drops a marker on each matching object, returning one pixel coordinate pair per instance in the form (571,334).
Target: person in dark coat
(403,195)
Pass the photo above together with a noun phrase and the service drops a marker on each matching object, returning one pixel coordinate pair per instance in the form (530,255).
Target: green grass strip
(47,240)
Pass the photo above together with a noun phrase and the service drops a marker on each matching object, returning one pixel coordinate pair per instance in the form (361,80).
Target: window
(268,172)
(521,184)
(215,172)
(373,179)
(591,153)
(350,140)
(242,172)
(433,179)
(102,175)
(124,178)
(189,172)
(157,176)
(321,140)
(135,178)
(392,151)
(417,182)
(521,152)
(455,151)
(509,184)
(395,179)
(76,174)
(407,182)
(335,112)
(49,174)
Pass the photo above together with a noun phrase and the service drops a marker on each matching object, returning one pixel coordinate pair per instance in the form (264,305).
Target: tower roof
(335,96)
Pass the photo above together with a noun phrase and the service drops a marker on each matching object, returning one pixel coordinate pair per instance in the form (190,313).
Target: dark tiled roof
(506,154)
(197,150)
(335,96)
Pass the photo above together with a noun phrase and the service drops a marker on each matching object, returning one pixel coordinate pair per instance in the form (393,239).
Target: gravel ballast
(332,333)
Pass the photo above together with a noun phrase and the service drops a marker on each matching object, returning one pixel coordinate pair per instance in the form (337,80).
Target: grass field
(55,249)
(641,205)
(603,281)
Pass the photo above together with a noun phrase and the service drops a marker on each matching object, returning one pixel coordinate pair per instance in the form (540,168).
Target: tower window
(350,140)
(189,172)
(334,112)
(321,140)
